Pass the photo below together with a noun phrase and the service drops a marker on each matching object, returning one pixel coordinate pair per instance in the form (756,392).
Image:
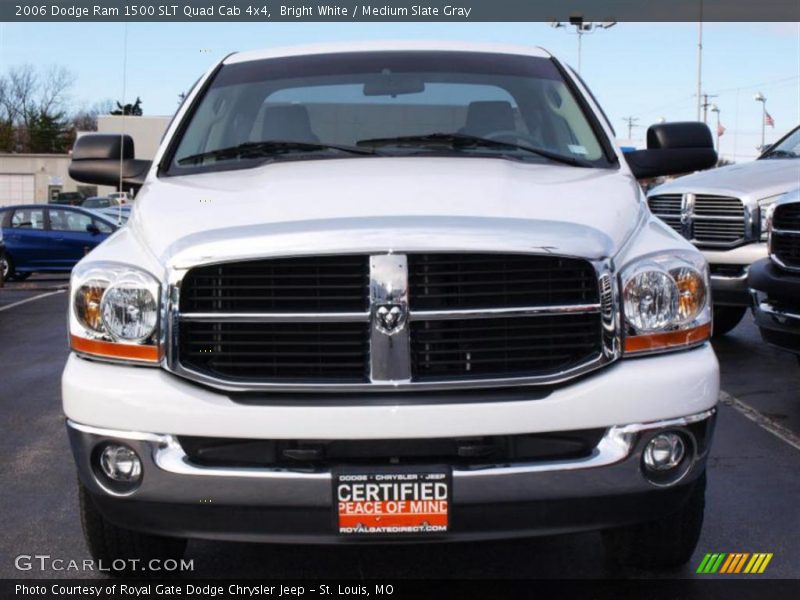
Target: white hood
(384,204)
(754,180)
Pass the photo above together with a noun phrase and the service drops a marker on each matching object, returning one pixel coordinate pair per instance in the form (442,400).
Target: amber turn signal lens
(87,305)
(113,350)
(691,293)
(666,340)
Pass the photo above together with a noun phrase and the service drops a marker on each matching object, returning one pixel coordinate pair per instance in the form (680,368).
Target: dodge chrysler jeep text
(376,293)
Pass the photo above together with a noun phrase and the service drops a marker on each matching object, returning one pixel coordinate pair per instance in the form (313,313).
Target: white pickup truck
(388,292)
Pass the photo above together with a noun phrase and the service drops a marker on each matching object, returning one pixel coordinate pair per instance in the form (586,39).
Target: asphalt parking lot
(752,502)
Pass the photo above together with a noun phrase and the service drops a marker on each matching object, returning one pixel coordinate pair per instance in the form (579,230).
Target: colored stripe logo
(734,563)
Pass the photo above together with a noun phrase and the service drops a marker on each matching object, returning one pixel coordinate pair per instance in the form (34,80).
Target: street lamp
(759,97)
(715,109)
(582,28)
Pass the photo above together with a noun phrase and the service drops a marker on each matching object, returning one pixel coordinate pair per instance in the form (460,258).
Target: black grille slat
(473,349)
(787,249)
(325,283)
(453,281)
(332,351)
(787,217)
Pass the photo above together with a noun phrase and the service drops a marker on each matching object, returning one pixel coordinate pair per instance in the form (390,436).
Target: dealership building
(35,178)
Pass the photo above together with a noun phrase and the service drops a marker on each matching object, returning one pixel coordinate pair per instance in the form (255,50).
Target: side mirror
(92,228)
(674,148)
(100,159)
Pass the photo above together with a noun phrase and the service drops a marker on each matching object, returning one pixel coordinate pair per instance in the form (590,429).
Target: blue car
(48,238)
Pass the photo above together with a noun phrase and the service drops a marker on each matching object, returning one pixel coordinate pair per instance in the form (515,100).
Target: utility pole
(582,28)
(715,109)
(706,104)
(759,97)
(631,121)
(699,59)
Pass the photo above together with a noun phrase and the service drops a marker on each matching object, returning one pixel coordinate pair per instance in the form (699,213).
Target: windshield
(368,105)
(787,148)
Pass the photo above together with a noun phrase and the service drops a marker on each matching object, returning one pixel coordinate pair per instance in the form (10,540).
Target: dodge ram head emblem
(390,318)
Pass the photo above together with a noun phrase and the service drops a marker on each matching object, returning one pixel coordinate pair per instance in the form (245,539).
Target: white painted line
(763,421)
(7,306)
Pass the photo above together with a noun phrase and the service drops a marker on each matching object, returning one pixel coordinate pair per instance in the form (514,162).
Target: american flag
(768,120)
(720,129)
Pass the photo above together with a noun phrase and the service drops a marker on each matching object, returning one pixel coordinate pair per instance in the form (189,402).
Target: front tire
(665,543)
(107,542)
(726,318)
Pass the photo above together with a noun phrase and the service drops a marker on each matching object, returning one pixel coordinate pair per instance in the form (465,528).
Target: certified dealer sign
(392,502)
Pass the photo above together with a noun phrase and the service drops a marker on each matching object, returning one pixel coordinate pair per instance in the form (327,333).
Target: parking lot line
(760,419)
(2,308)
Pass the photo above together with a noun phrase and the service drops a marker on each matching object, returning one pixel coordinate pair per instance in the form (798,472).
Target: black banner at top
(398,10)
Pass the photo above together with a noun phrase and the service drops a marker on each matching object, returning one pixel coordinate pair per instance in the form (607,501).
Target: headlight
(666,302)
(114,312)
(766,206)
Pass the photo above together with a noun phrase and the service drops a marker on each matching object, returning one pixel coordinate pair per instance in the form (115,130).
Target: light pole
(715,109)
(759,97)
(582,28)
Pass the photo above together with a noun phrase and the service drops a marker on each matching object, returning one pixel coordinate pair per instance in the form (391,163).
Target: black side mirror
(674,148)
(93,229)
(100,158)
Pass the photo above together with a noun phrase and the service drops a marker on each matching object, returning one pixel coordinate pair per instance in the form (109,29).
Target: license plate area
(387,502)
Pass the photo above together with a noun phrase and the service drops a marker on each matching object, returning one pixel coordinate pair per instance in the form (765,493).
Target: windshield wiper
(462,140)
(268,148)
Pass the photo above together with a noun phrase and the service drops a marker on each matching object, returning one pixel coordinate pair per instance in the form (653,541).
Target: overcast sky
(644,70)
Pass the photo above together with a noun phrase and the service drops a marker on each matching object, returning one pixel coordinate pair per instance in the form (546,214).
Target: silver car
(724,212)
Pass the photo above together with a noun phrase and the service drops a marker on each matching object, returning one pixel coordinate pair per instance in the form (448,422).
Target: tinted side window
(103,226)
(28,218)
(69,220)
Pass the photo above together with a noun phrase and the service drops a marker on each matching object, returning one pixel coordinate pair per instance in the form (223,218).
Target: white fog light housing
(666,302)
(114,312)
(120,463)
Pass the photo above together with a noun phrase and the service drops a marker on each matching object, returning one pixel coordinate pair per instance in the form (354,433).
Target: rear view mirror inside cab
(393,84)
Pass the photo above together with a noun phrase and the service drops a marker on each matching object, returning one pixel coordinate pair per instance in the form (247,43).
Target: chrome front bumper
(730,291)
(177,497)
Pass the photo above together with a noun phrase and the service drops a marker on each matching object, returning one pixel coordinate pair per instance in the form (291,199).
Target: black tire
(21,276)
(726,318)
(7,265)
(666,543)
(107,542)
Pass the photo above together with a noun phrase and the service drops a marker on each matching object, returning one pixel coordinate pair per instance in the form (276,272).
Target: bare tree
(33,109)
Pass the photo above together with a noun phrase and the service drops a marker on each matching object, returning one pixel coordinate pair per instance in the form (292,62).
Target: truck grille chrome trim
(707,220)
(455,340)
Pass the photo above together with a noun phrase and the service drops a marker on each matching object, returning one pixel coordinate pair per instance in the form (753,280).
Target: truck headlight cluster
(114,312)
(666,302)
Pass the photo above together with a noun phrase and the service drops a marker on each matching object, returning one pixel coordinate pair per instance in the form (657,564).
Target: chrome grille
(668,209)
(707,220)
(785,236)
(718,220)
(462,318)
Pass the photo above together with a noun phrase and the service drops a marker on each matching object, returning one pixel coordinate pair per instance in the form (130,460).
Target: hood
(386,204)
(753,180)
